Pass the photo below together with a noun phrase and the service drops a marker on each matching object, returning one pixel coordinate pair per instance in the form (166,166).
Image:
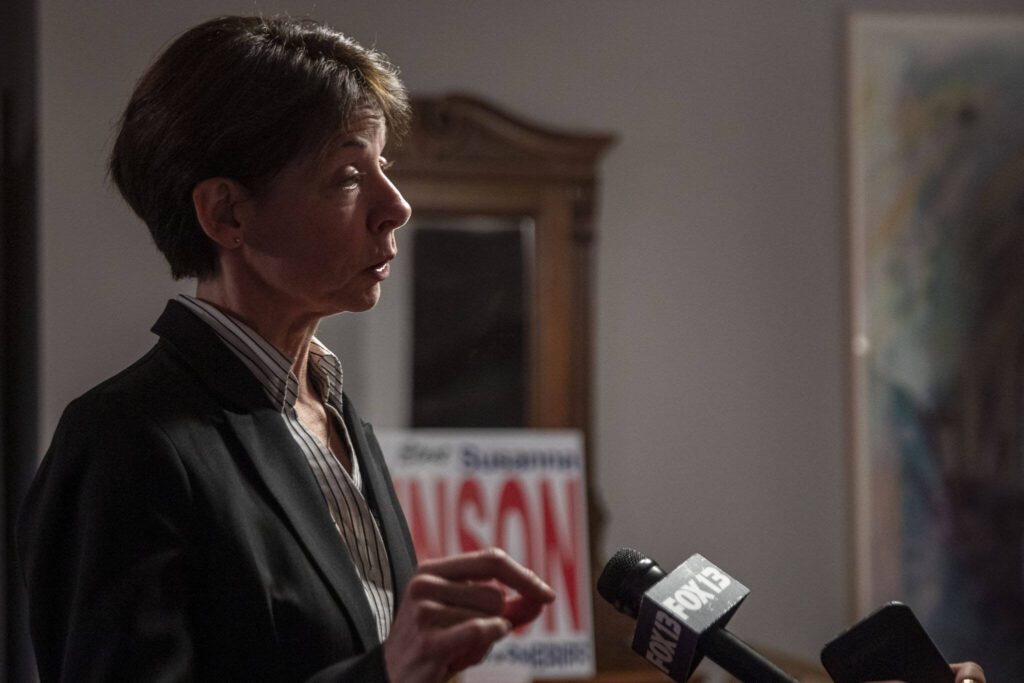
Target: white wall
(719,290)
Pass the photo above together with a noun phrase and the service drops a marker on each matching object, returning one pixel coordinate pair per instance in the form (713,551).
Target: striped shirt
(343,492)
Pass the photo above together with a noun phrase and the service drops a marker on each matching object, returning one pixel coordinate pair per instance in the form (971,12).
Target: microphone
(681,616)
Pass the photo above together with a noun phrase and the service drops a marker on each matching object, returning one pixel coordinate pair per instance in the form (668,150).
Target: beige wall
(719,291)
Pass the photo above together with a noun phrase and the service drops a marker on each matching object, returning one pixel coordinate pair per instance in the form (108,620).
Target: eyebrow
(346,140)
(343,141)
(352,142)
(338,143)
(351,138)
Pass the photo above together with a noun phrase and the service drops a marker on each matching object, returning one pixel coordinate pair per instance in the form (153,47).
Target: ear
(216,201)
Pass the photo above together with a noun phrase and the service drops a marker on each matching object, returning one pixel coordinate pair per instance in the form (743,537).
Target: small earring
(238,240)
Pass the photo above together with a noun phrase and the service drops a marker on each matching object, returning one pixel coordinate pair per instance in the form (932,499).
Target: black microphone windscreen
(625,578)
(609,584)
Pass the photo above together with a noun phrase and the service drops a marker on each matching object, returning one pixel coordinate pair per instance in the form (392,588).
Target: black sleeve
(366,668)
(103,541)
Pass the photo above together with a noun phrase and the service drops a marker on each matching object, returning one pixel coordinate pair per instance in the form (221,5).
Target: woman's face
(321,237)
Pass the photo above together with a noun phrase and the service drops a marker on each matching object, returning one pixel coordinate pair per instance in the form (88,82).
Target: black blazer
(175,532)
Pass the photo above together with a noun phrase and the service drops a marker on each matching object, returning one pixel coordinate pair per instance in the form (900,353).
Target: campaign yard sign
(523,491)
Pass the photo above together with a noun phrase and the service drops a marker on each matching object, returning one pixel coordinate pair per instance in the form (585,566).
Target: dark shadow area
(18,317)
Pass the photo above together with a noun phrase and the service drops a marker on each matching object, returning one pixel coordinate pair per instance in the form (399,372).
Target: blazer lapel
(283,468)
(380,495)
(265,438)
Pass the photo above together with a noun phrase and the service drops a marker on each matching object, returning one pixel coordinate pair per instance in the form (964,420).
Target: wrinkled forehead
(365,124)
(366,127)
(365,118)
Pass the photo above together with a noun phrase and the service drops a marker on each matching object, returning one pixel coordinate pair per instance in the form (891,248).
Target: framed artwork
(935,114)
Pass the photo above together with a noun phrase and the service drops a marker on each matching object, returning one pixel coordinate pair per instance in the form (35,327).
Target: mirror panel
(470,320)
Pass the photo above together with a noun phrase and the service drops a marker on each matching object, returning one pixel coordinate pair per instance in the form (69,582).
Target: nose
(391,211)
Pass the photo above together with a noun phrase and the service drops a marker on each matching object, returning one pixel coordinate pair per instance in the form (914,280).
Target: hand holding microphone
(968,672)
(890,645)
(965,672)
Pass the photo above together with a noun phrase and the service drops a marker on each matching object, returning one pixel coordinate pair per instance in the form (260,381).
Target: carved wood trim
(458,135)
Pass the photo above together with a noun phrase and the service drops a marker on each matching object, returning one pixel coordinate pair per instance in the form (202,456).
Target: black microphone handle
(739,659)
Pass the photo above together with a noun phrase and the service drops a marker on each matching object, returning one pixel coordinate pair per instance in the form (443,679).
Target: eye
(351,180)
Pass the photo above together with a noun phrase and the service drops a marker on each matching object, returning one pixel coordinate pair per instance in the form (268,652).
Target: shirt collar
(267,363)
(327,372)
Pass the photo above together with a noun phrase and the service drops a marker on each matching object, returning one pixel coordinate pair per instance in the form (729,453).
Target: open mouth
(382,268)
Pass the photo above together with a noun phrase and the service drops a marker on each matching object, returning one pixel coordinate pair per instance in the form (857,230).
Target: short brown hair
(239,97)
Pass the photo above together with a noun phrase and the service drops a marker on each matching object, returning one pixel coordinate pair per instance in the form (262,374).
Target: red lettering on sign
(512,502)
(470,495)
(562,551)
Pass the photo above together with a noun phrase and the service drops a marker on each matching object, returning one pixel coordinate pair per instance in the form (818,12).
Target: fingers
(455,608)
(470,641)
(455,575)
(520,610)
(493,563)
(486,599)
(430,642)
(966,672)
(435,614)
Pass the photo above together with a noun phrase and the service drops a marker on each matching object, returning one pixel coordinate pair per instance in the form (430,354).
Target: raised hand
(455,608)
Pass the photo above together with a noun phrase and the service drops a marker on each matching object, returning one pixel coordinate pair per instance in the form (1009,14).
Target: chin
(363,303)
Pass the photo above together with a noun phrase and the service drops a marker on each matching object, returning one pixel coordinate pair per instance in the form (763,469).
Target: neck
(274,317)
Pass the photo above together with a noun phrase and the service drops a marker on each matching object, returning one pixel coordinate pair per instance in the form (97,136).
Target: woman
(218,511)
